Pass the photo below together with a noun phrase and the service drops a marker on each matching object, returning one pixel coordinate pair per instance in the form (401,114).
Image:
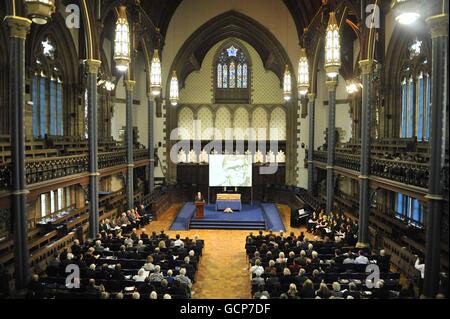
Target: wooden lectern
(200,210)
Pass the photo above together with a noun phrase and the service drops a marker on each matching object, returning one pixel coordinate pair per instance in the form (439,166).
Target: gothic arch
(396,60)
(230,24)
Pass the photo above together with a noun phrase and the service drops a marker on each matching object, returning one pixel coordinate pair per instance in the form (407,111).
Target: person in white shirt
(361,259)
(420,267)
(140,277)
(178,242)
(256,267)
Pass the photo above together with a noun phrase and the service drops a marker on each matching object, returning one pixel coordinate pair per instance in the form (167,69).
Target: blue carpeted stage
(260,216)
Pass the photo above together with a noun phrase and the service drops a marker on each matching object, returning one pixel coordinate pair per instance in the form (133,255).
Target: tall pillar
(331,144)
(129,86)
(151,145)
(92,67)
(18,30)
(312,113)
(439,82)
(366,123)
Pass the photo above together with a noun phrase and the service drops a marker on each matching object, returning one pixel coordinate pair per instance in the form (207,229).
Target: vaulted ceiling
(303,11)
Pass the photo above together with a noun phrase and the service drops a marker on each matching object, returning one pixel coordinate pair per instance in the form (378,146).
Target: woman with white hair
(135,296)
(149,266)
(271,269)
(167,296)
(281,258)
(140,277)
(153,295)
(157,276)
(292,293)
(336,291)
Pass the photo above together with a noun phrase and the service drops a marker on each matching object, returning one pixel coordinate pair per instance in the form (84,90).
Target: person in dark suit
(76,248)
(178,289)
(35,288)
(117,274)
(163,288)
(383,261)
(352,291)
(380,291)
(307,291)
(146,288)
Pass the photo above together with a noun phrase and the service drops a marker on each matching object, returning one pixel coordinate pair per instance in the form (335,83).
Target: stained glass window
(416,95)
(225,77)
(52,107)
(46,91)
(420,104)
(244,76)
(409,210)
(34,91)
(239,76)
(59,108)
(428,109)
(232,69)
(42,104)
(232,75)
(404,109)
(219,75)
(410,108)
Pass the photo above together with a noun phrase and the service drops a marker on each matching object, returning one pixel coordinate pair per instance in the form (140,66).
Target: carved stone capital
(19,27)
(92,66)
(129,84)
(438,25)
(332,84)
(366,66)
(311,97)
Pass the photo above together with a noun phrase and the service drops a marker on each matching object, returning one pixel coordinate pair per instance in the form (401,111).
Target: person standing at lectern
(199,197)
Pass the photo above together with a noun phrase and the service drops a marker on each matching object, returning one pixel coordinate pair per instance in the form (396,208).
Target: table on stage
(225,201)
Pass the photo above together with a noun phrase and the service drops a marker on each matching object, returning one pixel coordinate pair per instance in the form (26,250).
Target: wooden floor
(223,269)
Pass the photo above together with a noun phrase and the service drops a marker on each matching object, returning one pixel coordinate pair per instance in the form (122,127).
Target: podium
(200,210)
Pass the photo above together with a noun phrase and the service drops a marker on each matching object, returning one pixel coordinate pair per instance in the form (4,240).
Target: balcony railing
(45,169)
(410,173)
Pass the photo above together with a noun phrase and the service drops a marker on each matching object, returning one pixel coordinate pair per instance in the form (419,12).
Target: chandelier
(287,84)
(174,93)
(303,73)
(332,48)
(39,11)
(155,74)
(122,41)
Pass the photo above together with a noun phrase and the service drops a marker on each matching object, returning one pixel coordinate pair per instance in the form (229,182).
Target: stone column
(18,30)
(331,85)
(129,86)
(366,123)
(92,67)
(312,114)
(151,144)
(439,83)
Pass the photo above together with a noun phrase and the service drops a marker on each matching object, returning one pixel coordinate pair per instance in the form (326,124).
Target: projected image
(230,170)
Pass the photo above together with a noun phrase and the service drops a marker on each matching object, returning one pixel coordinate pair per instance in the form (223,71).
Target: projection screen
(230,170)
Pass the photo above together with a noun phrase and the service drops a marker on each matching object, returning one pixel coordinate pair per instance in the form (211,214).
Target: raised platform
(257,217)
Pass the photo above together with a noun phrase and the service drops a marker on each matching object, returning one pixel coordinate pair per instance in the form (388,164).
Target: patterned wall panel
(223,121)
(260,121)
(278,121)
(241,123)
(206,117)
(185,121)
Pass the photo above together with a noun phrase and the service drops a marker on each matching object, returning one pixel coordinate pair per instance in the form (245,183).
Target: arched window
(46,91)
(416,95)
(232,74)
